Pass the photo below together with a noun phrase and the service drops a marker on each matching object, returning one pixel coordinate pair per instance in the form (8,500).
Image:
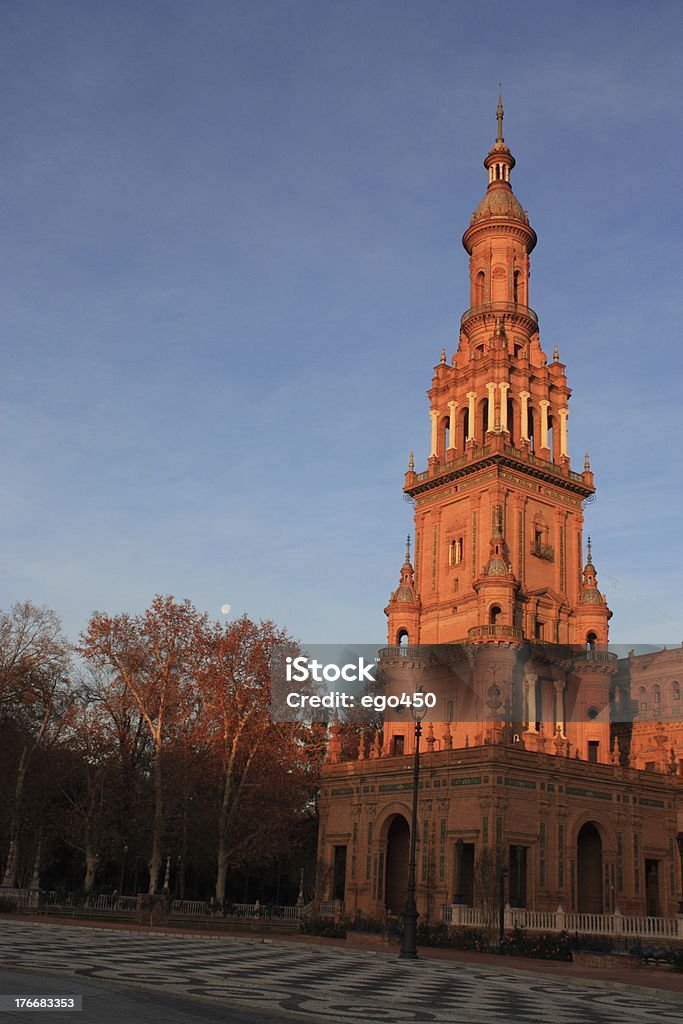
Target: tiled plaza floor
(323,983)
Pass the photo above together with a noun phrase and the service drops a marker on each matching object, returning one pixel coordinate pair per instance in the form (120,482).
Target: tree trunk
(10,876)
(158,826)
(222,872)
(91,863)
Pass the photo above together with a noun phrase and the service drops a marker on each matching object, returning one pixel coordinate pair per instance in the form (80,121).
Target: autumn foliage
(153,747)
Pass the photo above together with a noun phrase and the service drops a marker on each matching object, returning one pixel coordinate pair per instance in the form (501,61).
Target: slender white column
(524,397)
(471,395)
(435,427)
(491,388)
(452,436)
(563,414)
(503,404)
(544,403)
(531,700)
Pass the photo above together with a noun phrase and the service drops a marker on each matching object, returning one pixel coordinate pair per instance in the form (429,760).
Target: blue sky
(230,244)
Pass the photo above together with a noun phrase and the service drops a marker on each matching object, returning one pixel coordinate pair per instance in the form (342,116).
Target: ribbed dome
(500,201)
(497,567)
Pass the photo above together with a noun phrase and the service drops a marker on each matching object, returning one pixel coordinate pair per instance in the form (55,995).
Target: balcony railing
(495,631)
(497,308)
(541,550)
(558,921)
(597,656)
(481,452)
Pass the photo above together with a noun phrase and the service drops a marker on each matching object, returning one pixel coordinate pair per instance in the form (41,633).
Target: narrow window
(593,748)
(455,549)
(398,746)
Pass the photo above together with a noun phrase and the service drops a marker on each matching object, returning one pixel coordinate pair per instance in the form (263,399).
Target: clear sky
(230,243)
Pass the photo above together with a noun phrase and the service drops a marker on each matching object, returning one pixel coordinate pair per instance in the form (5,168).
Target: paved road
(104,1003)
(321,985)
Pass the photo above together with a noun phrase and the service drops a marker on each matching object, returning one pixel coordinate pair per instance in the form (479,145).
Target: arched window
(676,690)
(402,638)
(530,430)
(446,434)
(515,286)
(494,614)
(642,698)
(449,710)
(591,641)
(511,420)
(484,416)
(657,694)
(465,426)
(551,437)
(479,286)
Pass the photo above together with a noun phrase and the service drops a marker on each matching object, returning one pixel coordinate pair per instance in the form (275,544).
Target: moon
(225,609)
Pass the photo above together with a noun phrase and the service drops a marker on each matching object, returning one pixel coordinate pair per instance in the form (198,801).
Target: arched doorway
(398,851)
(589,870)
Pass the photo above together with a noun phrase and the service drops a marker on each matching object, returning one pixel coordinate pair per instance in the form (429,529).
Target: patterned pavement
(324,984)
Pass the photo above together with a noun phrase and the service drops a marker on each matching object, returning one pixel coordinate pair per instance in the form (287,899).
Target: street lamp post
(123,869)
(679,841)
(410,914)
(501,902)
(457,898)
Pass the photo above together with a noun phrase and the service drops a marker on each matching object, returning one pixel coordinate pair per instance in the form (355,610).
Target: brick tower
(498,510)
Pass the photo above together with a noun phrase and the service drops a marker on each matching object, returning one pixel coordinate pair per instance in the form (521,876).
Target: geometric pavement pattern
(320,984)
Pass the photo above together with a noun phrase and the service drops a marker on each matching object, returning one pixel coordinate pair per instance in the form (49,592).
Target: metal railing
(52,901)
(541,550)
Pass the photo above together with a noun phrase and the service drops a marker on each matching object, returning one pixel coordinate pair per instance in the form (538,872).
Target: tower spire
(499,114)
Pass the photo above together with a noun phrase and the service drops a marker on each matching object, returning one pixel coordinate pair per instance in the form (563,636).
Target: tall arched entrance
(398,852)
(589,870)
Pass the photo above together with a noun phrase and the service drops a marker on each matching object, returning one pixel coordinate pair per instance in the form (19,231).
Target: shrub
(390,926)
(677,959)
(441,936)
(324,926)
(8,906)
(546,946)
(592,943)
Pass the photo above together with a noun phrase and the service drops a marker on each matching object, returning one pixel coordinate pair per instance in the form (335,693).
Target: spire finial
(589,557)
(499,113)
(556,354)
(411,462)
(587,463)
(443,355)
(408,548)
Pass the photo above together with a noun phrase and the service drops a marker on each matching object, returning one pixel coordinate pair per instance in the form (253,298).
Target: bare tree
(34,695)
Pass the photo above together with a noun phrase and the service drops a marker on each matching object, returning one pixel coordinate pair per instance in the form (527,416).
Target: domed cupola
(499,202)
(403,610)
(589,589)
